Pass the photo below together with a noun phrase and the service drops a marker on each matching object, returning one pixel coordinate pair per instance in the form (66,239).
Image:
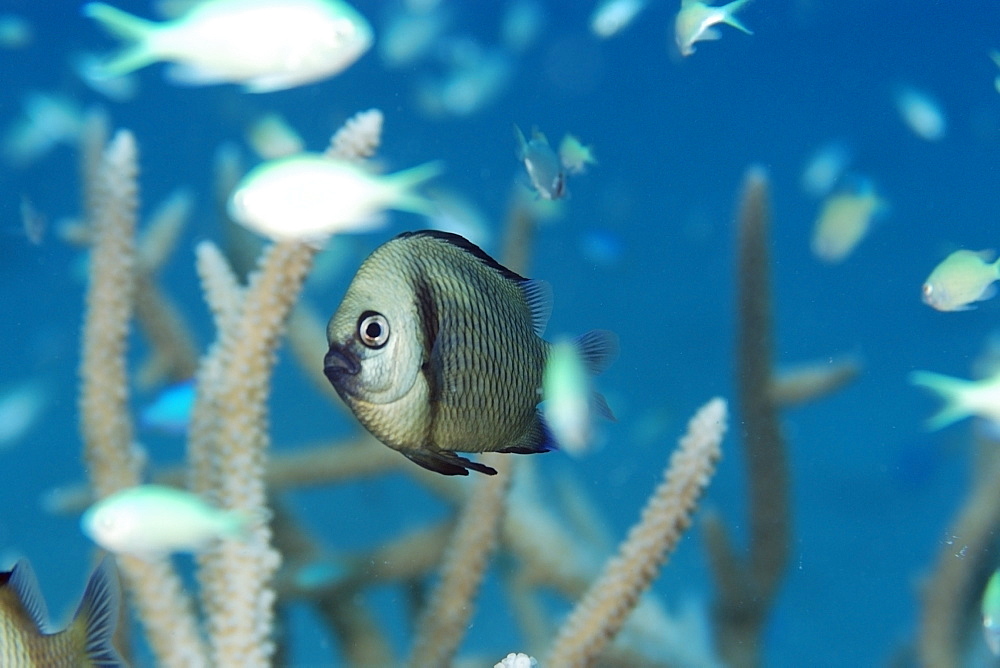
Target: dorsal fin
(467,246)
(537,293)
(98,615)
(22,581)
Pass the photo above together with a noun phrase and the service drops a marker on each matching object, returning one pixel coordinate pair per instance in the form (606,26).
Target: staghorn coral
(601,613)
(746,588)
(240,581)
(113,462)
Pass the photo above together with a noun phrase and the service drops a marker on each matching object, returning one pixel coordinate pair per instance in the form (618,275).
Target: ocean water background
(873,491)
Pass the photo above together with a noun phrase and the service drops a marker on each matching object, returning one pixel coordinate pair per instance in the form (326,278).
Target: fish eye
(373,329)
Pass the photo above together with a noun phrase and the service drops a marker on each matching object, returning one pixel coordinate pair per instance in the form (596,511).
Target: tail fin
(598,349)
(403,184)
(730,13)
(950,390)
(127,28)
(120,24)
(97,616)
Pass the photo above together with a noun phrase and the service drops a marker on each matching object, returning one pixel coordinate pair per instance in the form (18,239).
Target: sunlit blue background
(873,491)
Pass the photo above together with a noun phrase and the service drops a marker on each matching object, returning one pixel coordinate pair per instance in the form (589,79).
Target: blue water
(872,491)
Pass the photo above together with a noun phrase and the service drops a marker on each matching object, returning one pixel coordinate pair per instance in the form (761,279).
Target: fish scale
(502,371)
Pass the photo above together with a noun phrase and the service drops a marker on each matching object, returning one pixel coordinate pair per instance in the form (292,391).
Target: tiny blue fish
(170,411)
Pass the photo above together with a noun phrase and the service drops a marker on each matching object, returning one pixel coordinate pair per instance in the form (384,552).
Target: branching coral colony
(241,581)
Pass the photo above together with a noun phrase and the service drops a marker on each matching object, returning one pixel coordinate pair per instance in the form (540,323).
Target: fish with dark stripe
(437,350)
(25,637)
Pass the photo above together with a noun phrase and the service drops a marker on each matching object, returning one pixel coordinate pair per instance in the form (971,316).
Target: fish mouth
(340,362)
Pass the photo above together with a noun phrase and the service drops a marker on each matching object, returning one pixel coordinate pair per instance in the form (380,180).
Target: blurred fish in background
(265,45)
(921,113)
(845,219)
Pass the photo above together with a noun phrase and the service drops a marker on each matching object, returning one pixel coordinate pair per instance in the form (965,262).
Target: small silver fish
(24,636)
(545,170)
(437,348)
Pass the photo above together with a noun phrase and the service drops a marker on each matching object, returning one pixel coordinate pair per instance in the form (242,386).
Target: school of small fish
(436,347)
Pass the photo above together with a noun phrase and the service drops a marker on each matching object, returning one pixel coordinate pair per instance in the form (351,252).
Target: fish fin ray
(538,294)
(98,614)
(598,348)
(600,406)
(446,462)
(21,579)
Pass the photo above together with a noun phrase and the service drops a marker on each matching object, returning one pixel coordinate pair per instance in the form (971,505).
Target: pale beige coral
(598,617)
(113,461)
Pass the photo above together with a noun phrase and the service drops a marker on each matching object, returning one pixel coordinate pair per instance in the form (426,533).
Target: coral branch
(112,461)
(228,444)
(956,585)
(746,590)
(600,614)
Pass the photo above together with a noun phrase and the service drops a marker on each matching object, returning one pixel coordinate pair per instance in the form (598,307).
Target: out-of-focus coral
(243,580)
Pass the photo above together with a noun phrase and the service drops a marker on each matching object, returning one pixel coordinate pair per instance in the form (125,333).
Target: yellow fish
(24,637)
(962,278)
(695,20)
(844,222)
